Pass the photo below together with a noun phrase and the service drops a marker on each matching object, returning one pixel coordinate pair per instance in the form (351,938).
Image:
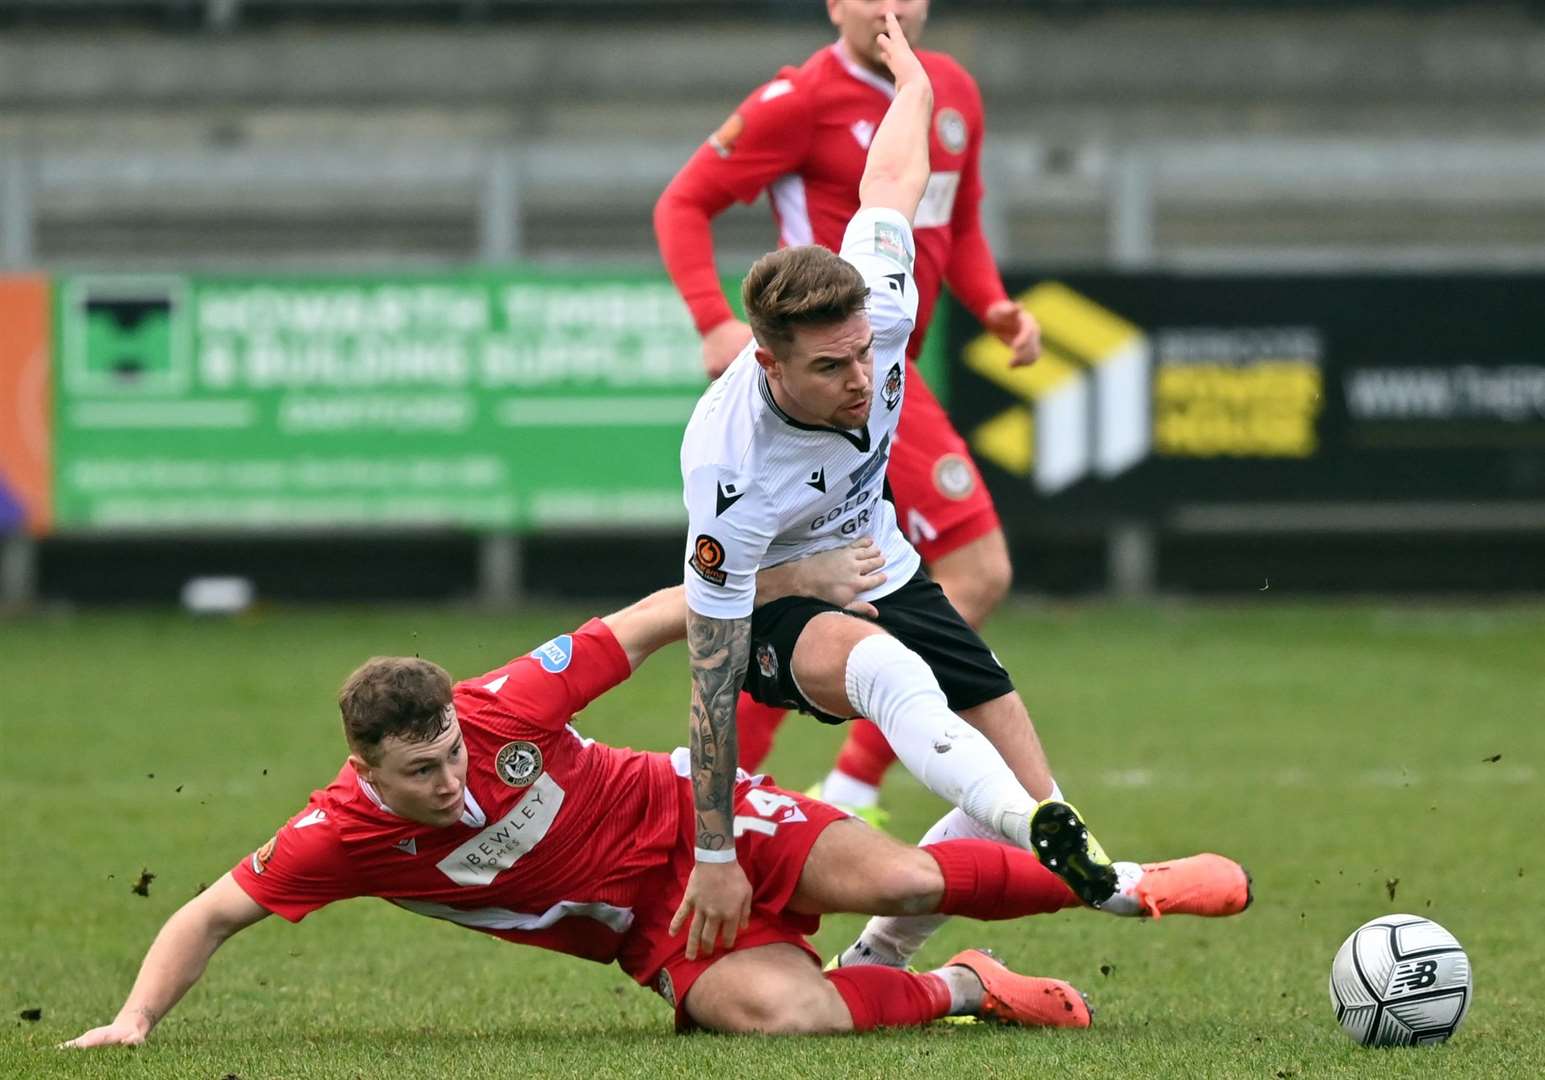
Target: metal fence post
(499,237)
(18,224)
(1130,211)
(1131,559)
(501,561)
(18,572)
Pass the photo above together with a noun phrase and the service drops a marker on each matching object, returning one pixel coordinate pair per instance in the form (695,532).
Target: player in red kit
(481,804)
(803,138)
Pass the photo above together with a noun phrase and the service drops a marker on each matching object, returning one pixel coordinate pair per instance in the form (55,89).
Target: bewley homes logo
(1084,407)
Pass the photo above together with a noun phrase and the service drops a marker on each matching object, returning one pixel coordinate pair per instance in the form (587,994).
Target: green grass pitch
(1345,753)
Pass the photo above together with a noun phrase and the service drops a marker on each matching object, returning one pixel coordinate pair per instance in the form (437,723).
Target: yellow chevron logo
(1087,406)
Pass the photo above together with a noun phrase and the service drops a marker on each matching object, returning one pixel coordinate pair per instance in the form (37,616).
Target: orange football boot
(1024,1000)
(1208,885)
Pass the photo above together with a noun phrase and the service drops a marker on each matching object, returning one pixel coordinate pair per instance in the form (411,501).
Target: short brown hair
(393,695)
(800,286)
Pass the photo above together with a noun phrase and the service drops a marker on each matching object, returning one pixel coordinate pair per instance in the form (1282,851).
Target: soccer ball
(1400,980)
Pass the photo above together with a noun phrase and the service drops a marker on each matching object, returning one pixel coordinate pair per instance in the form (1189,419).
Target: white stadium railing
(1131,192)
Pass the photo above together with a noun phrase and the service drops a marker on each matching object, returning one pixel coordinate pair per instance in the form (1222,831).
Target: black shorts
(918,615)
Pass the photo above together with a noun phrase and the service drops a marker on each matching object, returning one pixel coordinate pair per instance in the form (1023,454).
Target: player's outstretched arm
(896,172)
(838,576)
(176,961)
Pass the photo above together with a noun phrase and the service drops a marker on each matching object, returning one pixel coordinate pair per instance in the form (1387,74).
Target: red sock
(987,880)
(755,725)
(865,755)
(886,997)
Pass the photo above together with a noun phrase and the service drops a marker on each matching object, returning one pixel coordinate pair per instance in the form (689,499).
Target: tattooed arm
(718,895)
(720,650)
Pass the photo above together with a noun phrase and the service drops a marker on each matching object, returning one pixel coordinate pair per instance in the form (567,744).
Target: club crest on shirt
(890,392)
(951,128)
(723,140)
(518,763)
(262,855)
(953,476)
(889,241)
(707,558)
(767,660)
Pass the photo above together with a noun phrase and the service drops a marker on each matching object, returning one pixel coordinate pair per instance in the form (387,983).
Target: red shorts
(941,503)
(775,831)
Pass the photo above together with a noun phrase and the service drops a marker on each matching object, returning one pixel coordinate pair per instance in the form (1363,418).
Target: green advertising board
(480,400)
(488,400)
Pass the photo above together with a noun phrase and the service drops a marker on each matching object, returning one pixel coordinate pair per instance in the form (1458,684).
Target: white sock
(1124,900)
(844,790)
(965,989)
(890,684)
(860,953)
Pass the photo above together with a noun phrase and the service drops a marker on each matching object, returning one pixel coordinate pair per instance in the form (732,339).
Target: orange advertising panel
(26,483)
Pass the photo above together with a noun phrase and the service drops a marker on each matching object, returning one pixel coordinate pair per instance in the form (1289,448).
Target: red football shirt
(804,138)
(560,837)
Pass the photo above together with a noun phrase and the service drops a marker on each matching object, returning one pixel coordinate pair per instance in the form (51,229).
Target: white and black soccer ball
(1400,980)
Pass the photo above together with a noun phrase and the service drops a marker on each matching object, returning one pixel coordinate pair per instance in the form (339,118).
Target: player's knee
(908,884)
(785,1006)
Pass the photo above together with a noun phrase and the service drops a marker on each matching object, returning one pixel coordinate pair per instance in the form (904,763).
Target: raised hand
(899,57)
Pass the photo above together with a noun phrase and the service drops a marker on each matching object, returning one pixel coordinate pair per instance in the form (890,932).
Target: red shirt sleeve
(972,274)
(301,869)
(685,237)
(765,138)
(547,686)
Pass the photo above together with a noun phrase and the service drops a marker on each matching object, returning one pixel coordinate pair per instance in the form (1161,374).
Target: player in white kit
(785,455)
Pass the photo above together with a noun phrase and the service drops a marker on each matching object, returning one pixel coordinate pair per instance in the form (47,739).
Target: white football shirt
(762,488)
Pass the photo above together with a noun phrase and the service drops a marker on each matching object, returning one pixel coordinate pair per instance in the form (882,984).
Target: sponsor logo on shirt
(951,128)
(863,133)
(767,660)
(707,558)
(873,464)
(953,476)
(505,842)
(818,480)
(723,140)
(407,847)
(518,763)
(316,817)
(261,856)
(891,391)
(554,655)
(937,207)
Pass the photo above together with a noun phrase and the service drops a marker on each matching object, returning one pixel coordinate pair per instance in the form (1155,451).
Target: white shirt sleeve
(725,543)
(879,243)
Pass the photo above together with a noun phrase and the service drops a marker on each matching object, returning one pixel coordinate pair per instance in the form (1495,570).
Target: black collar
(859,439)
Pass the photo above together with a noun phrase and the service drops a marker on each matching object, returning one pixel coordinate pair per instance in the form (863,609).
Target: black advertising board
(1161,390)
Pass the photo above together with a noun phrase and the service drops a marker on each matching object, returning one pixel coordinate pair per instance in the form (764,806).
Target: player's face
(860,23)
(425,782)
(827,376)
